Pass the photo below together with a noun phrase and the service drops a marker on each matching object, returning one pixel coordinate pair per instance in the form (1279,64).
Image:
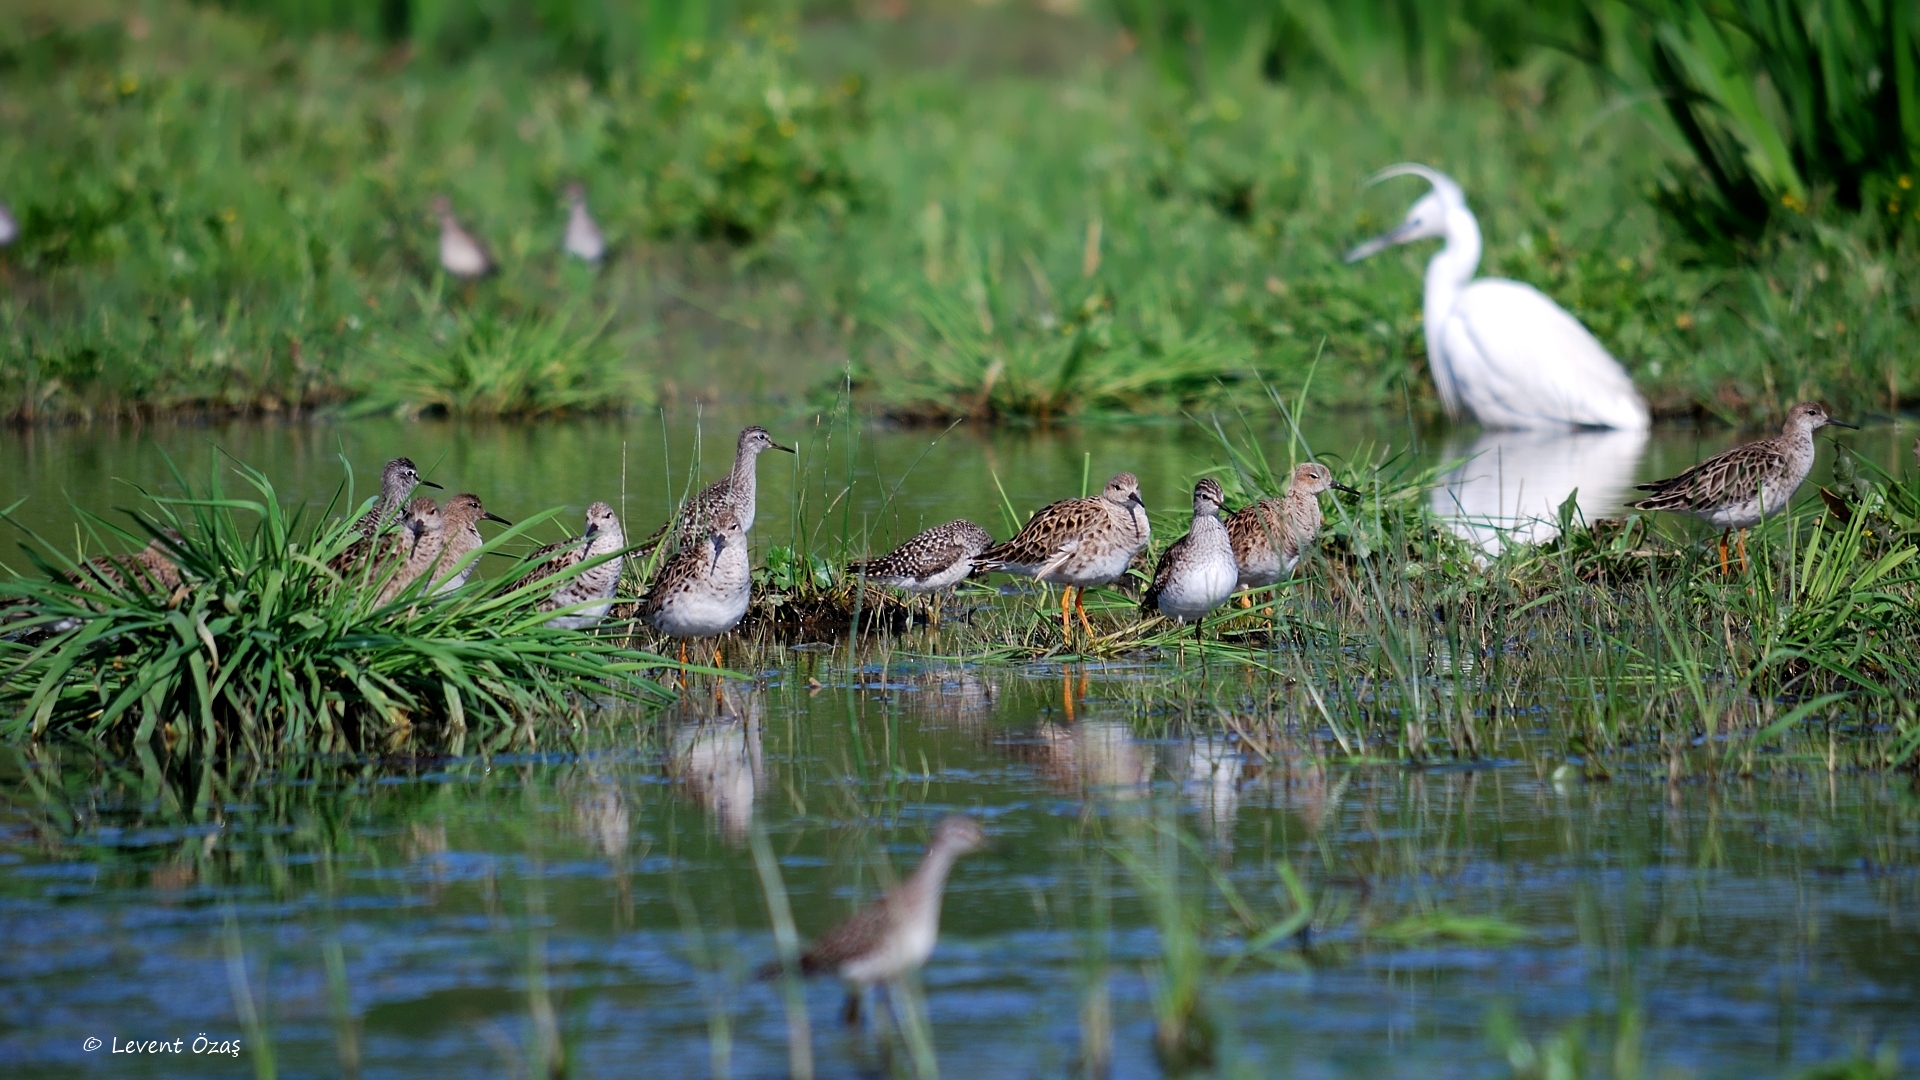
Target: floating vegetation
(262,646)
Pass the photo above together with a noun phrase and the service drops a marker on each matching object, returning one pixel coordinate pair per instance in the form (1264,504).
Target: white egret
(1500,350)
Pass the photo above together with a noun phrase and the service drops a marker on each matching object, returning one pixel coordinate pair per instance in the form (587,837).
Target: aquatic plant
(480,362)
(263,647)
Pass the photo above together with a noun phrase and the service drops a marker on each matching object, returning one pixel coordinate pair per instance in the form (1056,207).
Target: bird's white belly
(952,575)
(462,260)
(1771,500)
(1261,569)
(582,618)
(903,952)
(1199,589)
(1091,565)
(701,613)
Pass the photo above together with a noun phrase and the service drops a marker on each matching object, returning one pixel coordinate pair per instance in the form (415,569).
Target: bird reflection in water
(1085,756)
(1214,770)
(716,757)
(1510,486)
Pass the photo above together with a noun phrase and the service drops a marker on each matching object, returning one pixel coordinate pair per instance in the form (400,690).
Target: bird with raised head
(895,934)
(1197,571)
(591,589)
(1501,351)
(737,491)
(1079,543)
(1270,535)
(1738,488)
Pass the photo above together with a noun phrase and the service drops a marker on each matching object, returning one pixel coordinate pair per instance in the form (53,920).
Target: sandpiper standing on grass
(895,934)
(1751,482)
(1078,543)
(429,529)
(593,587)
(1270,536)
(703,590)
(463,514)
(583,240)
(461,253)
(1197,571)
(737,491)
(935,559)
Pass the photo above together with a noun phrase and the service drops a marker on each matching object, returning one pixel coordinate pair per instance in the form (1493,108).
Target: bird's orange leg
(1743,550)
(1723,554)
(1066,626)
(1081,609)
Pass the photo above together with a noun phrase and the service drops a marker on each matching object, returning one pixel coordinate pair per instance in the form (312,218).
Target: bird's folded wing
(1520,360)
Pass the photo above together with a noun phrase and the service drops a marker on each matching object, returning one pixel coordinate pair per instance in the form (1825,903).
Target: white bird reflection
(1214,770)
(718,760)
(1512,483)
(1094,757)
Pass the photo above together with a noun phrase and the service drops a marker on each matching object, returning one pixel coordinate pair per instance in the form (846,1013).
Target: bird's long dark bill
(1345,488)
(1378,244)
(431,484)
(1831,422)
(498,518)
(788,449)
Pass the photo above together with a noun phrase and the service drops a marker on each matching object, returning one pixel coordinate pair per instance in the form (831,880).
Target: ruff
(1747,484)
(1270,536)
(1078,543)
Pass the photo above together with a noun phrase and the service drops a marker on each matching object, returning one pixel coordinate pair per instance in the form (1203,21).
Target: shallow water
(876,484)
(1716,929)
(413,912)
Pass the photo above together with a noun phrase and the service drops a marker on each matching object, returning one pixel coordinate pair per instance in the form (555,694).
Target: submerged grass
(265,648)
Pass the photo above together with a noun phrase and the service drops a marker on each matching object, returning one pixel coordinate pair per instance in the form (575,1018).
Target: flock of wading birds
(410,545)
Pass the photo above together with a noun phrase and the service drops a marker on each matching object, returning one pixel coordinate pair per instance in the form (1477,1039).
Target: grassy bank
(220,217)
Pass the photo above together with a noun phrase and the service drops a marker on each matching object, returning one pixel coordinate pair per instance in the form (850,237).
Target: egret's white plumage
(1501,351)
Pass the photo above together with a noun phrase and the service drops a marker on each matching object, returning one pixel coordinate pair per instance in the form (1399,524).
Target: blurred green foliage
(217,215)
(1775,102)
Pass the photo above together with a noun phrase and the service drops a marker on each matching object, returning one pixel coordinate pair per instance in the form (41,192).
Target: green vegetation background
(1008,211)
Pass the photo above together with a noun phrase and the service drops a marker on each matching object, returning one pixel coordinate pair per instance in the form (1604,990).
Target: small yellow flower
(129,83)
(1790,202)
(1683,321)
(229,215)
(786,129)
(1906,183)
(1625,264)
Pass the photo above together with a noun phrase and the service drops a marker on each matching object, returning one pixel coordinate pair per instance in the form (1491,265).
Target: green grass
(265,649)
(221,218)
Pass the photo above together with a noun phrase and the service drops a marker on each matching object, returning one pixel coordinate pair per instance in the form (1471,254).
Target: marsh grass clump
(468,362)
(264,647)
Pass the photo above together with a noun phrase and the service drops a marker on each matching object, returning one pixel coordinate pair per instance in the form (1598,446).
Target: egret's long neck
(1453,265)
(1447,273)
